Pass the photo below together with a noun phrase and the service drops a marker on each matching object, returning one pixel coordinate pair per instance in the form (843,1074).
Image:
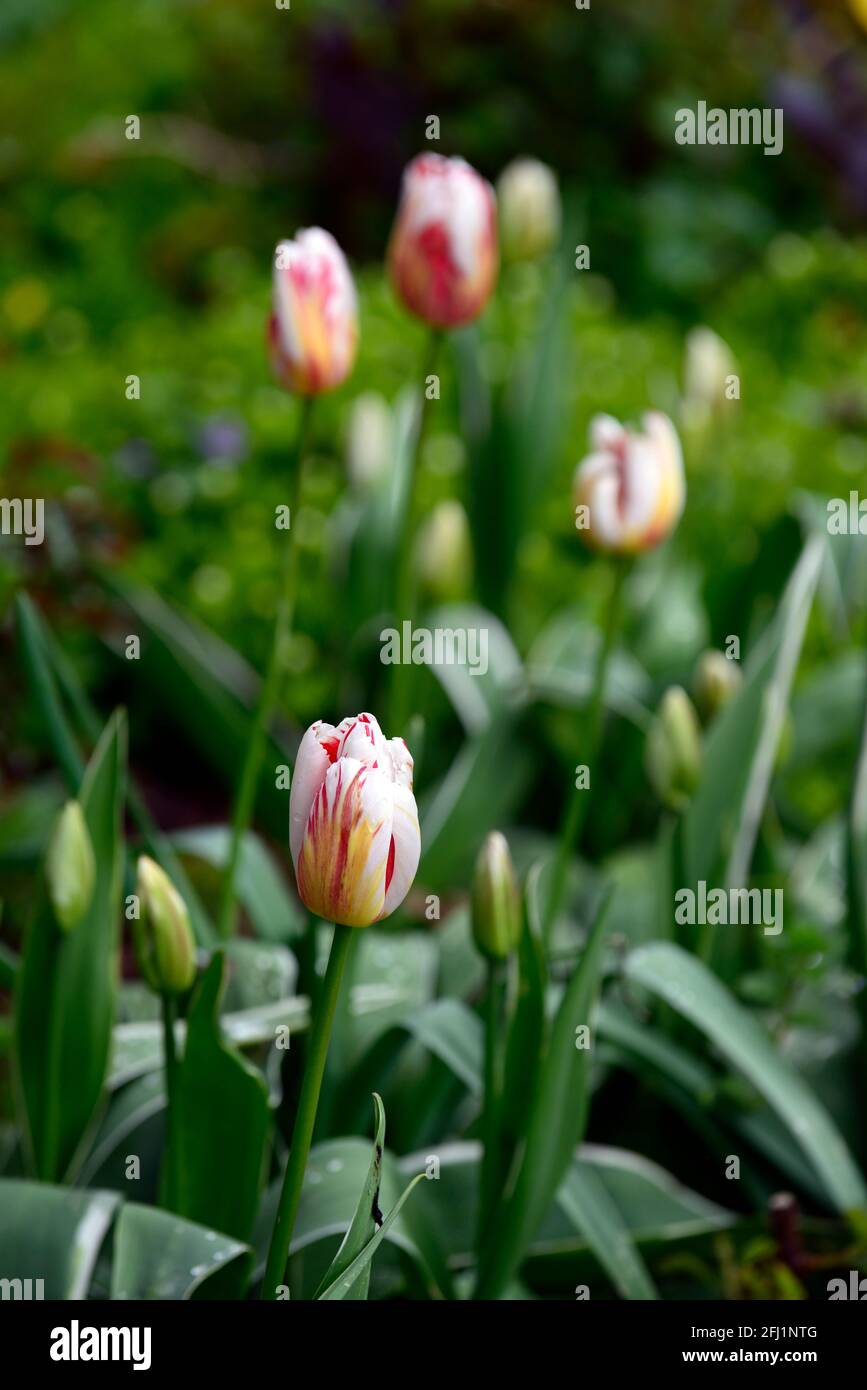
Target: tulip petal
(344,854)
(406,840)
(313,760)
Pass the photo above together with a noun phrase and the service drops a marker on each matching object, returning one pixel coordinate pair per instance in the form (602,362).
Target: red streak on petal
(389,868)
(330,746)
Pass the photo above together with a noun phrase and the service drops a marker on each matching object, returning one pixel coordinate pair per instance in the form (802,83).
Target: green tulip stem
(495,1036)
(170,1064)
(405,587)
(579,800)
(246,796)
(308,1103)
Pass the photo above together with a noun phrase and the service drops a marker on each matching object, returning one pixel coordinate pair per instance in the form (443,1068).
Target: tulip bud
(313,329)
(529,202)
(496,899)
(444,552)
(707,367)
(630,490)
(673,752)
(443,251)
(71,867)
(715,681)
(162,935)
(370,440)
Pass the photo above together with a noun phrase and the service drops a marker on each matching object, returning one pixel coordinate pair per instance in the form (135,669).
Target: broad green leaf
(161,1256)
(53,1234)
(723,818)
(561,668)
(451,1031)
(653,1206)
(856,872)
(587,1204)
(495,684)
(222,1121)
(558,1115)
(128,1112)
(45,693)
(65,1000)
(207,687)
(391,976)
(54,666)
(480,790)
(273,911)
(690,988)
(340,1286)
(137,1047)
(364,1222)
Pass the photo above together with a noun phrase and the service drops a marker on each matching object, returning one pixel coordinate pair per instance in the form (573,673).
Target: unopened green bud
(673,753)
(162,934)
(715,681)
(529,209)
(444,552)
(496,899)
(71,867)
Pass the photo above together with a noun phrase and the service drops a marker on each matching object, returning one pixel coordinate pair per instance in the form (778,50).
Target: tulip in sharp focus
(443,252)
(630,490)
(313,329)
(529,201)
(353,822)
(162,934)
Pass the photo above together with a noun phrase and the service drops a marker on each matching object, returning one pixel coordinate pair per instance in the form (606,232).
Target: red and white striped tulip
(353,821)
(313,328)
(632,484)
(443,255)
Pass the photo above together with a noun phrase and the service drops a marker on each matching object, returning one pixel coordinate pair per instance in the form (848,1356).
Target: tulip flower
(530,214)
(630,490)
(354,831)
(313,329)
(443,251)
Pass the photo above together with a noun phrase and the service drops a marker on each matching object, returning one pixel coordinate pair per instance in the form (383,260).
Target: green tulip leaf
(158,1255)
(53,1234)
(65,1000)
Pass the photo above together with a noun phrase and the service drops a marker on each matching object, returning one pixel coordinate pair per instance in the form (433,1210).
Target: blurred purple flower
(223,437)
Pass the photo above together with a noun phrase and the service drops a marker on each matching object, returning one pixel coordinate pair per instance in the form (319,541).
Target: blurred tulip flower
(530,212)
(715,681)
(353,822)
(313,329)
(443,252)
(71,867)
(369,441)
(444,551)
(673,751)
(708,363)
(630,490)
(162,935)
